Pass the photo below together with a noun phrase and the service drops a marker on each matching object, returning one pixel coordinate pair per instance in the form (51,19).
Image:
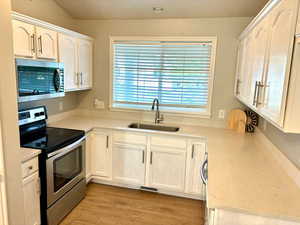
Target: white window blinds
(178,73)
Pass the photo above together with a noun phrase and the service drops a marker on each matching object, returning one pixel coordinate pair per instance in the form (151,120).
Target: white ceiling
(142,9)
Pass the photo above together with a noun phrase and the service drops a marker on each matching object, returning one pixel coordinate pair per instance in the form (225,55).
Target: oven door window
(67,167)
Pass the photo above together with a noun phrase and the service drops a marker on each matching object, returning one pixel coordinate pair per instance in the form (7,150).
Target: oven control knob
(37,115)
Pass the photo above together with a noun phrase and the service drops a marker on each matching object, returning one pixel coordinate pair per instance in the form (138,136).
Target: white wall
(226,29)
(288,144)
(46,10)
(8,117)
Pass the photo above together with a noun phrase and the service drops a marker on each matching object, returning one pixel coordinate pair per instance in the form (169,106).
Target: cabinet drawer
(127,137)
(169,142)
(29,167)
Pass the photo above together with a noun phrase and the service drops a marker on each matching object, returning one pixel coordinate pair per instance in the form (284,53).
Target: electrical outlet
(221,114)
(99,104)
(61,106)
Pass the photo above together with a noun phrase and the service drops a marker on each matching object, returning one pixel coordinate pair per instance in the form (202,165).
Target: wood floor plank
(108,205)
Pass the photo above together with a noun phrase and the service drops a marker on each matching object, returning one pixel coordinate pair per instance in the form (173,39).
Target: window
(179,72)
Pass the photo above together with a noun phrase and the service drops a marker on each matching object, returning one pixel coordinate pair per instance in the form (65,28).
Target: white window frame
(213,40)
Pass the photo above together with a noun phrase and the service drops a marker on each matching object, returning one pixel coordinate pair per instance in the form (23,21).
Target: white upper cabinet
(85,56)
(76,54)
(40,40)
(46,43)
(167,168)
(69,57)
(100,154)
(244,69)
(129,164)
(259,57)
(196,159)
(282,30)
(24,39)
(264,75)
(31,41)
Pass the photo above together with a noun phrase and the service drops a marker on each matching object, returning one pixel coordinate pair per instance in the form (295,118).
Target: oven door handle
(67,148)
(202,171)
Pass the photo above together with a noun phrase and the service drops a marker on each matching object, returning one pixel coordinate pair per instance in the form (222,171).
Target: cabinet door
(88,156)
(31,190)
(46,43)
(282,28)
(24,39)
(129,164)
(167,168)
(260,44)
(68,56)
(245,69)
(194,182)
(85,58)
(100,154)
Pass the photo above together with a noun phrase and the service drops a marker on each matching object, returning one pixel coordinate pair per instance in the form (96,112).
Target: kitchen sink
(144,126)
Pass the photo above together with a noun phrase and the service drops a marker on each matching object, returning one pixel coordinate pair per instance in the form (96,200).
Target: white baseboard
(98,180)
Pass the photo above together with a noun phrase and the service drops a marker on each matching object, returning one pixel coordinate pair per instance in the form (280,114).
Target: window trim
(214,41)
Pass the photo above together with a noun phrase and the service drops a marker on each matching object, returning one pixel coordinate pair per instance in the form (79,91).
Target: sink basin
(153,127)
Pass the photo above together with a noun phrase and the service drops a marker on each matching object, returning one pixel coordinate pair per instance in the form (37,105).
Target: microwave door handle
(202,171)
(56,80)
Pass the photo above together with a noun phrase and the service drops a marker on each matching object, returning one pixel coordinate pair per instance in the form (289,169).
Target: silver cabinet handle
(255,93)
(143,160)
(32,42)
(41,44)
(237,89)
(107,141)
(259,86)
(76,78)
(81,78)
(193,151)
(151,156)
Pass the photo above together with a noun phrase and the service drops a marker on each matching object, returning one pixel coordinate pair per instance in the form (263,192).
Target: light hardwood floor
(107,205)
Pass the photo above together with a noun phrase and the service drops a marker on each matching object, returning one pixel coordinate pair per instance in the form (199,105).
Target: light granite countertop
(29,153)
(243,175)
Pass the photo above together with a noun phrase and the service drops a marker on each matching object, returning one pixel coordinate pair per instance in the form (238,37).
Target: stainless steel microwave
(39,79)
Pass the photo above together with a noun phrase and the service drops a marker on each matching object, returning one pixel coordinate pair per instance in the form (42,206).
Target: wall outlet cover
(99,104)
(221,114)
(61,106)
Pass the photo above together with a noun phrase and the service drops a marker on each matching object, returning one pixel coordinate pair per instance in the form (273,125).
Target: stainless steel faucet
(158,117)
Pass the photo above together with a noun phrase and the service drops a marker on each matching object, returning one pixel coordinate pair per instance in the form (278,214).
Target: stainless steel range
(62,163)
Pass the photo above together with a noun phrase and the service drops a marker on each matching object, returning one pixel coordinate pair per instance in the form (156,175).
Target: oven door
(65,168)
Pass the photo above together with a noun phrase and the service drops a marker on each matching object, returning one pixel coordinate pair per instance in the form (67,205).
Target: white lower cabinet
(195,161)
(31,191)
(133,159)
(100,154)
(88,156)
(129,164)
(167,168)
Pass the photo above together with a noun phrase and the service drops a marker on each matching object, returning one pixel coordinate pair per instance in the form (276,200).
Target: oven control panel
(32,115)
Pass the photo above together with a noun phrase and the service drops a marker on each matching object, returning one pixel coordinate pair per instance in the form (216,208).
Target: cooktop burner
(51,139)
